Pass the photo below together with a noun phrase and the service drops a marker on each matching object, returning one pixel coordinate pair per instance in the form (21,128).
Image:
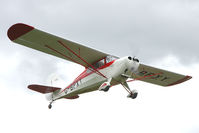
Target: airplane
(102,71)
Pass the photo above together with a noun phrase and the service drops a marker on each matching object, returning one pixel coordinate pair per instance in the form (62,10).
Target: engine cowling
(132,65)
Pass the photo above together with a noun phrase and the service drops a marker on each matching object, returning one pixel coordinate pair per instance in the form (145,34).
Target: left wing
(33,38)
(159,76)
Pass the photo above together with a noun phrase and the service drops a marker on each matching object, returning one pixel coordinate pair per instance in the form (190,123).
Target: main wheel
(133,94)
(106,89)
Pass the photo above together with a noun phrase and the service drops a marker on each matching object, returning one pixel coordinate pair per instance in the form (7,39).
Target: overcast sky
(161,33)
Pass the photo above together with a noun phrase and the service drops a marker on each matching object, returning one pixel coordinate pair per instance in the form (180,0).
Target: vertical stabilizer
(56,81)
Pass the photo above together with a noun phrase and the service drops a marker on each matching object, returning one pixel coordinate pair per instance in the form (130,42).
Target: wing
(158,76)
(50,44)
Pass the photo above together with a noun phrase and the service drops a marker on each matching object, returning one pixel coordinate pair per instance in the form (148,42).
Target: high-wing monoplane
(102,70)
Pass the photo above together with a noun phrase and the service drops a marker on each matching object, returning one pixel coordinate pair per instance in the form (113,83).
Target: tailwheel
(133,94)
(50,105)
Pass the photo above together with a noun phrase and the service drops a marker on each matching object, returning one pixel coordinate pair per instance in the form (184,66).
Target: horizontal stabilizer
(43,89)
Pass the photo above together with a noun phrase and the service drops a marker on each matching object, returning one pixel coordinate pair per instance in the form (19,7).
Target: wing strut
(95,70)
(61,54)
(125,85)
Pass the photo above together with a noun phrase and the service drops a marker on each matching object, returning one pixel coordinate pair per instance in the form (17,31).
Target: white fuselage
(93,80)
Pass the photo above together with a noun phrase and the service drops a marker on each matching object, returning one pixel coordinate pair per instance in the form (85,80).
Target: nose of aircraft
(132,64)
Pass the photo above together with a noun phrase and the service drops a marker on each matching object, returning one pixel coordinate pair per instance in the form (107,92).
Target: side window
(99,64)
(110,58)
(96,66)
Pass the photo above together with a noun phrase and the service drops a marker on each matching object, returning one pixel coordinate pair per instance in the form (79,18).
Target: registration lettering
(160,77)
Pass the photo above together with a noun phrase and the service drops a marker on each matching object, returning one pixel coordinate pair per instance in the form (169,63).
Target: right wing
(159,76)
(50,44)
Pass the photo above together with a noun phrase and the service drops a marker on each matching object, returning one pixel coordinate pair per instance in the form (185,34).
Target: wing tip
(18,30)
(180,81)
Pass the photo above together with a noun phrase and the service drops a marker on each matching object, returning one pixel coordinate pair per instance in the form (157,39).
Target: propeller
(135,59)
(133,64)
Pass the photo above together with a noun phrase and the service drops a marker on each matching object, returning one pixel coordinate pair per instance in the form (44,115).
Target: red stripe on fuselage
(84,74)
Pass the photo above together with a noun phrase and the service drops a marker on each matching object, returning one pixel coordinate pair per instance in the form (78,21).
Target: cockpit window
(110,58)
(96,65)
(99,64)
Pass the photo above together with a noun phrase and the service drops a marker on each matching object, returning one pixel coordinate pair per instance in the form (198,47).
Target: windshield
(102,62)
(99,64)
(110,58)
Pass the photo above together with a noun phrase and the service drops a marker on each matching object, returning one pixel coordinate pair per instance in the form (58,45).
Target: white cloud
(157,109)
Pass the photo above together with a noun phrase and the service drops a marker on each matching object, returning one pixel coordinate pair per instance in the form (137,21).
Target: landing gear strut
(132,93)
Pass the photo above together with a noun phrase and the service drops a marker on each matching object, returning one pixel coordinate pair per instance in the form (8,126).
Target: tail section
(51,92)
(56,84)
(48,90)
